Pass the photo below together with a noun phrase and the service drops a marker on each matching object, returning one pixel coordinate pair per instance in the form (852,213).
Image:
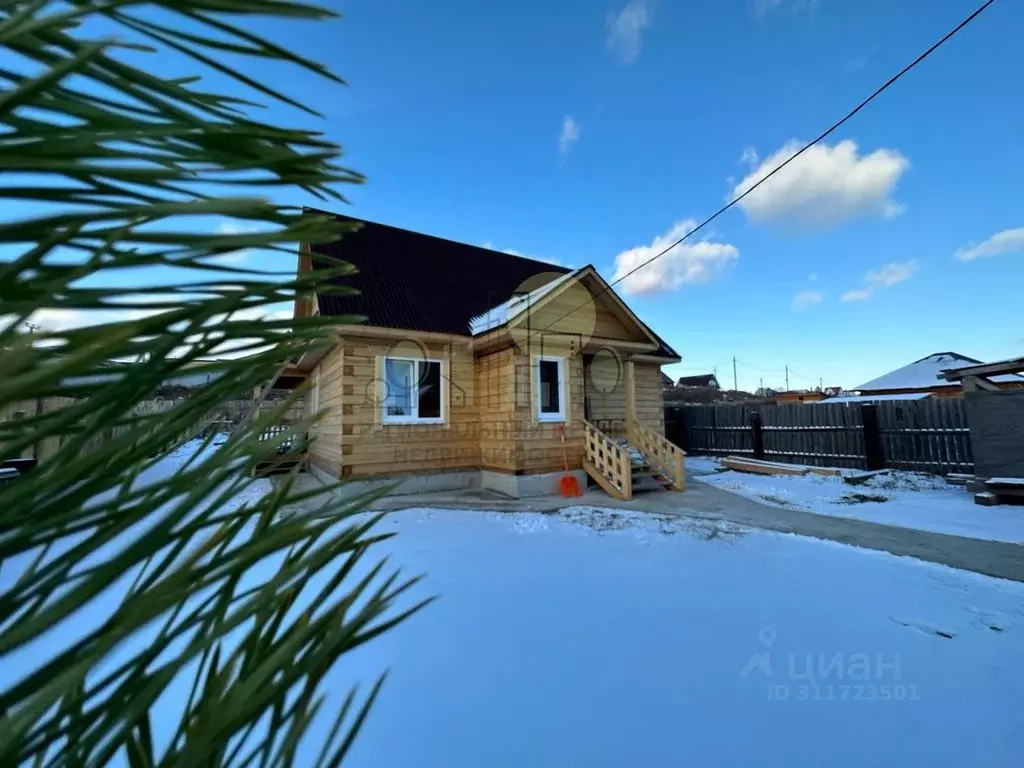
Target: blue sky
(590,132)
(457,113)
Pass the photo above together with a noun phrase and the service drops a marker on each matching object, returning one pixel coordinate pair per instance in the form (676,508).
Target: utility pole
(735,386)
(821,384)
(787,378)
(760,383)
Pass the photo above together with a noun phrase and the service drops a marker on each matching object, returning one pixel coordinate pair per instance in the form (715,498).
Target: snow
(18,662)
(508,310)
(600,639)
(1005,481)
(924,373)
(615,638)
(874,398)
(904,499)
(701,464)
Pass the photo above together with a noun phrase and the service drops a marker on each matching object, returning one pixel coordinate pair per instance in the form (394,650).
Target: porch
(628,456)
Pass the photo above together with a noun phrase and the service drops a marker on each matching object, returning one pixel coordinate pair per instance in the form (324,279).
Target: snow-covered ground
(599,638)
(905,499)
(615,638)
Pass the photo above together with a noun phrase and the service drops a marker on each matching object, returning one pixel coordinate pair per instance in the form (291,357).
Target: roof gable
(578,303)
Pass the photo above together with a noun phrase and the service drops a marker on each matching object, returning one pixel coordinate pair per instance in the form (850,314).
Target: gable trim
(606,290)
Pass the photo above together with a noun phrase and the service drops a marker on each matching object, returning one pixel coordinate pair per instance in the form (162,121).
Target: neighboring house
(923,378)
(666,381)
(705,380)
(469,365)
(799,396)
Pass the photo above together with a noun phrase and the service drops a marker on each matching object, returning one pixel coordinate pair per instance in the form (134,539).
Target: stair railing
(607,462)
(664,456)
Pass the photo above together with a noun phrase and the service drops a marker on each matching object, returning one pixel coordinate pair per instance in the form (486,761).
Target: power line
(801,376)
(761,370)
(835,126)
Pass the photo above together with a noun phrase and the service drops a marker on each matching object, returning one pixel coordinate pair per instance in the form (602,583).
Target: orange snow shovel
(568,485)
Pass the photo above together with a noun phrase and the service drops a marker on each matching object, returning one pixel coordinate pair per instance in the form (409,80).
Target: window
(550,389)
(412,391)
(314,394)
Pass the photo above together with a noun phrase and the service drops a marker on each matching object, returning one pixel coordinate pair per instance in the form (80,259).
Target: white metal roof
(508,310)
(875,398)
(925,373)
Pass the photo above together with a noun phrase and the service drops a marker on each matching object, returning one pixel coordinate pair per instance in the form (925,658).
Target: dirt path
(993,558)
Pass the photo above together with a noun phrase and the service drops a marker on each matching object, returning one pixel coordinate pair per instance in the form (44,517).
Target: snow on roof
(875,398)
(924,373)
(508,310)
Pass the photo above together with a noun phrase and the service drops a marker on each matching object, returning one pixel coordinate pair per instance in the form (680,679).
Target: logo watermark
(827,676)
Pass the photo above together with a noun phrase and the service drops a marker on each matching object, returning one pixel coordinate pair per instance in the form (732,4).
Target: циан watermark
(828,676)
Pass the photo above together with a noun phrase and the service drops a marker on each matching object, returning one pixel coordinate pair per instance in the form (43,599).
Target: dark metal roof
(704,380)
(420,282)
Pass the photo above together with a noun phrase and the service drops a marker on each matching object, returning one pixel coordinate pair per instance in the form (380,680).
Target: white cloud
(858,294)
(569,135)
(806,299)
(625,29)
(1001,243)
(891,274)
(687,263)
(825,185)
(749,156)
(234,228)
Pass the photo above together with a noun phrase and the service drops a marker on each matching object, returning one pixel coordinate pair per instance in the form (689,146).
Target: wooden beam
(638,346)
(979,384)
(631,402)
(656,359)
(1016,365)
(399,334)
(762,467)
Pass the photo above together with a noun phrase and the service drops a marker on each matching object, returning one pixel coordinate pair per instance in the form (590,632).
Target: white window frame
(314,394)
(414,418)
(550,417)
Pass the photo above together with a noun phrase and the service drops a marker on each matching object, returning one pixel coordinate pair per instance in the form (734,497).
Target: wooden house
(475,368)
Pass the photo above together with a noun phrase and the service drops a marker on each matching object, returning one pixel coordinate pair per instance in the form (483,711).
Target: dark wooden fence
(921,435)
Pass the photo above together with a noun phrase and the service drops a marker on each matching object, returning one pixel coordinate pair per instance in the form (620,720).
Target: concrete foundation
(527,486)
(409,484)
(511,486)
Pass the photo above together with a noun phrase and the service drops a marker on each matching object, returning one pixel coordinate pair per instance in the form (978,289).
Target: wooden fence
(228,412)
(928,435)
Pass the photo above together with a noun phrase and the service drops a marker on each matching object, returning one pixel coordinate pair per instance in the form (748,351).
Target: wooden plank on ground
(825,471)
(762,467)
(957,478)
(860,478)
(1006,486)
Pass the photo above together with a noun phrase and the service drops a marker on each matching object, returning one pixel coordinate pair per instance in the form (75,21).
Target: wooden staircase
(647,462)
(644,476)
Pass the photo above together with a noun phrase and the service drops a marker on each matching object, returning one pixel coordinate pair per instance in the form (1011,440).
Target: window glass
(429,390)
(398,378)
(550,388)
